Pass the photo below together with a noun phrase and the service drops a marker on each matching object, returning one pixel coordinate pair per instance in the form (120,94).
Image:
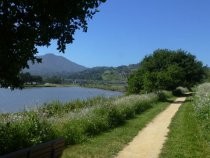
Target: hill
(53,65)
(106,74)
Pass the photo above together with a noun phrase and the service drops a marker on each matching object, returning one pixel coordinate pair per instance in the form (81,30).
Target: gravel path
(149,142)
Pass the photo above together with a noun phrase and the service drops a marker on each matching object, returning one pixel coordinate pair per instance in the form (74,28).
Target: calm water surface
(17,100)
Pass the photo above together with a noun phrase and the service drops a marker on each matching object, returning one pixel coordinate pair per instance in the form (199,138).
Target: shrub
(18,134)
(163,95)
(57,108)
(73,132)
(180,91)
(202,106)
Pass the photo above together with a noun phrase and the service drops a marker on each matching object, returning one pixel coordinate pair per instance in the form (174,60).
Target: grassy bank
(185,137)
(75,121)
(111,142)
(111,87)
(190,128)
(201,105)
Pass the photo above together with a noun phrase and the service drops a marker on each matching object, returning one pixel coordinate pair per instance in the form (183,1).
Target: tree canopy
(27,78)
(166,69)
(26,24)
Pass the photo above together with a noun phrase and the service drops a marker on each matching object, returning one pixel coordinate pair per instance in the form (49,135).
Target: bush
(163,95)
(97,122)
(115,118)
(202,107)
(73,132)
(18,134)
(57,108)
(180,91)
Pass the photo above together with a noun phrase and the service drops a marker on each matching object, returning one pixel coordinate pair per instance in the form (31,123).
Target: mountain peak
(54,65)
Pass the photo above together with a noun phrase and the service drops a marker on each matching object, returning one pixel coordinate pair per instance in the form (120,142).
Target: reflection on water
(17,100)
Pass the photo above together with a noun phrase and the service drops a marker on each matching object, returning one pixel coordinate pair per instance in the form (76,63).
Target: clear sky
(124,31)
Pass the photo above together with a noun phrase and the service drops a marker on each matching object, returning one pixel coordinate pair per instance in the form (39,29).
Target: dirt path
(150,140)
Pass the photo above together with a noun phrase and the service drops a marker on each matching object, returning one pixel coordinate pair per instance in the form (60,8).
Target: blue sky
(124,31)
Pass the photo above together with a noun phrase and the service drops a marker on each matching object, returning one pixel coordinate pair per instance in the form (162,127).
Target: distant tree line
(27,78)
(165,70)
(54,80)
(119,73)
(208,74)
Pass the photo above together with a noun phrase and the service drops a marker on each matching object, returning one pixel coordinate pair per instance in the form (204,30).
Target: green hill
(105,74)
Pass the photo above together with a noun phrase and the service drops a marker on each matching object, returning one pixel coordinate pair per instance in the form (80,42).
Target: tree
(26,24)
(28,78)
(207,70)
(54,80)
(166,69)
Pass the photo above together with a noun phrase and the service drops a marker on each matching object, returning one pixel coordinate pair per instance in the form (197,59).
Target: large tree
(166,69)
(25,24)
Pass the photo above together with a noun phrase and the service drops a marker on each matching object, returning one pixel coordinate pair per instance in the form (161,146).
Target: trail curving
(149,141)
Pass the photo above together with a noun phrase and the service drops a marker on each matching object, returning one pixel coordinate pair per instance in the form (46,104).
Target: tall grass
(75,121)
(57,108)
(23,130)
(91,121)
(202,107)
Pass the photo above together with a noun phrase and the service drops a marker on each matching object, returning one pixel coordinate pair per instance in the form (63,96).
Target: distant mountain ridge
(53,65)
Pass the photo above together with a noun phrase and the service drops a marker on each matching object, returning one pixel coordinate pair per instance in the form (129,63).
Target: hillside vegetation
(110,78)
(106,74)
(75,121)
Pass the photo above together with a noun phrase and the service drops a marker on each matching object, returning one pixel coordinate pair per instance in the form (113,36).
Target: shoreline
(115,88)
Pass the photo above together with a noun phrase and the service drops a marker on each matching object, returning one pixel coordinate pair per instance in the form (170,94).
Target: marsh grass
(104,117)
(202,108)
(109,143)
(21,133)
(75,121)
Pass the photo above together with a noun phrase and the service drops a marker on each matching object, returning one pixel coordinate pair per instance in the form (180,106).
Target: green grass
(76,121)
(185,138)
(109,143)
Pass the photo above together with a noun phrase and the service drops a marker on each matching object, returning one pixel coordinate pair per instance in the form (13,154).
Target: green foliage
(180,91)
(73,132)
(164,95)
(21,131)
(103,117)
(57,108)
(202,107)
(110,74)
(28,24)
(96,123)
(27,78)
(75,121)
(207,74)
(53,80)
(185,139)
(109,143)
(166,69)
(135,84)
(110,78)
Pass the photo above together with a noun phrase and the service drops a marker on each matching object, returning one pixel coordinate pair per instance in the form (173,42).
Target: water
(17,100)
